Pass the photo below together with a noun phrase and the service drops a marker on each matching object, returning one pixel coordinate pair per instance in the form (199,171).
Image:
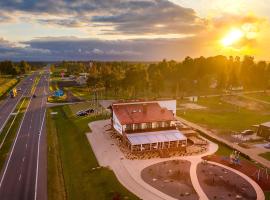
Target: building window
(128,127)
(148,125)
(159,125)
(136,126)
(166,124)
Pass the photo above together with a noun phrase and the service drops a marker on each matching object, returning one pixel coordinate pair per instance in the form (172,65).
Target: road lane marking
(26,146)
(23,159)
(20,177)
(4,139)
(14,143)
(19,99)
(41,127)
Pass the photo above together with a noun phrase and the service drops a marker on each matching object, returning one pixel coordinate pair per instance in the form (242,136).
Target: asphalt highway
(9,104)
(23,176)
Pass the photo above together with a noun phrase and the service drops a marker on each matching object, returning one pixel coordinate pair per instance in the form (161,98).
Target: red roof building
(147,125)
(141,113)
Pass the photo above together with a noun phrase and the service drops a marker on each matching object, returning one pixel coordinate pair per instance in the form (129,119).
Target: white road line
(18,132)
(4,139)
(23,159)
(41,127)
(26,146)
(11,112)
(20,177)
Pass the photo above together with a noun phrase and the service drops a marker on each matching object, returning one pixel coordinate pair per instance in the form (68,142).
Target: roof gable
(141,113)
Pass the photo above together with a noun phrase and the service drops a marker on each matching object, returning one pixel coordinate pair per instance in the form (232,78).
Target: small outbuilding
(264,130)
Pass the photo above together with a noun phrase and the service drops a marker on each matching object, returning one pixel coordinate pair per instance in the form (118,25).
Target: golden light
(232,37)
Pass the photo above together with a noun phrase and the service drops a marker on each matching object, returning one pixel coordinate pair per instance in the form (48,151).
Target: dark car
(90,111)
(34,96)
(81,113)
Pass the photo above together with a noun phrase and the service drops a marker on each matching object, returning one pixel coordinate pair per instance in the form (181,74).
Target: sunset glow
(145,30)
(232,37)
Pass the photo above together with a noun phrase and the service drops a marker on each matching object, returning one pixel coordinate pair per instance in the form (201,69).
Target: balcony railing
(150,129)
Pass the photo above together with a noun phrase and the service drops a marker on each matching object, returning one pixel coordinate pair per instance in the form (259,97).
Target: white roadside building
(148,125)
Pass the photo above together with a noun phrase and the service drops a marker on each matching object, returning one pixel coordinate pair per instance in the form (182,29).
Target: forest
(171,78)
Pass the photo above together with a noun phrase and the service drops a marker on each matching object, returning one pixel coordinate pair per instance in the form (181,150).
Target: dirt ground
(245,103)
(172,178)
(192,106)
(246,167)
(220,183)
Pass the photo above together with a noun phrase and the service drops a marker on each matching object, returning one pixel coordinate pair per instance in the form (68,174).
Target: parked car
(91,110)
(81,113)
(267,146)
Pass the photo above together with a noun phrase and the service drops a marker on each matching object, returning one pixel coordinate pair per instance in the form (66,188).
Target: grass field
(70,160)
(9,132)
(6,84)
(265,155)
(80,106)
(222,116)
(260,96)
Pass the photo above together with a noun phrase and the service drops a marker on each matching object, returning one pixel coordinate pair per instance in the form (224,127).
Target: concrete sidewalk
(128,172)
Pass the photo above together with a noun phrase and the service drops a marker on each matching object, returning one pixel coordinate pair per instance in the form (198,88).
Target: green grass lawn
(222,116)
(70,160)
(6,84)
(265,155)
(261,96)
(80,106)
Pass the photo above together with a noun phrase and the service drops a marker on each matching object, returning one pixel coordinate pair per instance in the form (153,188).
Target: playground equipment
(234,158)
(58,93)
(261,173)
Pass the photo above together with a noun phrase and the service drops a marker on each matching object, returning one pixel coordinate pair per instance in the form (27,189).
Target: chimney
(162,110)
(144,108)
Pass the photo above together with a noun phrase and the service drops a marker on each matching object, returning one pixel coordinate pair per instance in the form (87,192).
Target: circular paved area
(172,178)
(220,183)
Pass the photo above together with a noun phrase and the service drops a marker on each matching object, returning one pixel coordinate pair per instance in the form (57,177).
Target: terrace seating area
(188,150)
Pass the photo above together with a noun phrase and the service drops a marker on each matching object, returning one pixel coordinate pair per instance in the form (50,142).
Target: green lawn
(261,96)
(265,155)
(222,116)
(70,160)
(80,106)
(6,84)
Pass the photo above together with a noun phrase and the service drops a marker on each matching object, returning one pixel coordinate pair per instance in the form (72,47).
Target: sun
(232,37)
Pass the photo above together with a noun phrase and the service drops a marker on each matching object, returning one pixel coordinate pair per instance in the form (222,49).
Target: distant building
(237,89)
(147,125)
(81,80)
(192,98)
(264,130)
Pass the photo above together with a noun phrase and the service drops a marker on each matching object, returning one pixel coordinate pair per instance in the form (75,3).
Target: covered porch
(149,141)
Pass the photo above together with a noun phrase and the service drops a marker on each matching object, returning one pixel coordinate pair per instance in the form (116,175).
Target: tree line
(12,68)
(171,78)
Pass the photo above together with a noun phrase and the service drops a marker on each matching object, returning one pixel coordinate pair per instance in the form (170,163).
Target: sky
(136,30)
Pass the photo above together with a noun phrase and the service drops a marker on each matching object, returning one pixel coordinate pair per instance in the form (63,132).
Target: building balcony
(150,129)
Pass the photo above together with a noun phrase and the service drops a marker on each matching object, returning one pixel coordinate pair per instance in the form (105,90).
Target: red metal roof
(141,113)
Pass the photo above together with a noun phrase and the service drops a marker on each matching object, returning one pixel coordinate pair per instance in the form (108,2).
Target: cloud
(97,51)
(71,48)
(122,16)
